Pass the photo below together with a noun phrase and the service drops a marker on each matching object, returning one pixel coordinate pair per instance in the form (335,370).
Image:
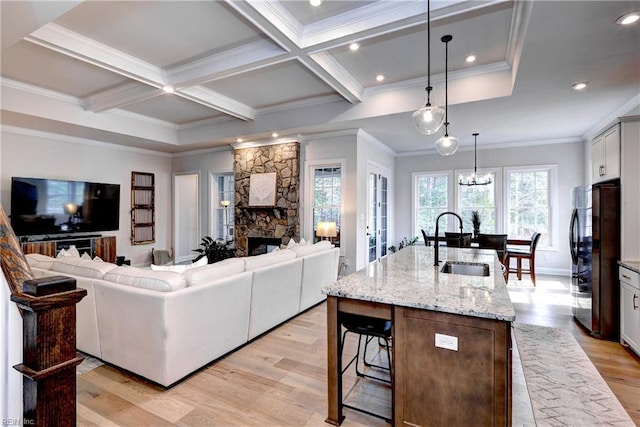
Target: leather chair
(453,239)
(528,254)
(498,242)
(368,328)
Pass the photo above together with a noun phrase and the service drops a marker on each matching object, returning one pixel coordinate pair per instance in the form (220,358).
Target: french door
(377,212)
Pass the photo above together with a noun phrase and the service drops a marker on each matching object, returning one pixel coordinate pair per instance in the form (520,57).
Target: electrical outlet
(447,341)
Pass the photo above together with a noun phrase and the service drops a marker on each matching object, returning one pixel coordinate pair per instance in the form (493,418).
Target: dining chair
(425,236)
(453,239)
(498,242)
(528,254)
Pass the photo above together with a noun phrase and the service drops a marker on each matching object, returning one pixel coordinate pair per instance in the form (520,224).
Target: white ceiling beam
(220,102)
(119,96)
(72,44)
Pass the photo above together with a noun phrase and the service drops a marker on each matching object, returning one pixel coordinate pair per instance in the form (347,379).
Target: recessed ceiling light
(168,89)
(274,135)
(629,18)
(239,139)
(354,46)
(579,86)
(470,58)
(380,77)
(315,2)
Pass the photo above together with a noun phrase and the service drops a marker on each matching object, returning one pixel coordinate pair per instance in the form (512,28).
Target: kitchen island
(451,336)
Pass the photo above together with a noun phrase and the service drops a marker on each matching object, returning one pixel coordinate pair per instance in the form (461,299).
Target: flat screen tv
(53,206)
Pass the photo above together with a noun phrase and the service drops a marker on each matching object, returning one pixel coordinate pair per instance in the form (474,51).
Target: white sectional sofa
(163,325)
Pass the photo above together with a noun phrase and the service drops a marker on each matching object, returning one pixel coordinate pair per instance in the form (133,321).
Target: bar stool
(369,328)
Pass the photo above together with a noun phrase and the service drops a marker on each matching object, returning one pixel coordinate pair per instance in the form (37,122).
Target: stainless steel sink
(465,268)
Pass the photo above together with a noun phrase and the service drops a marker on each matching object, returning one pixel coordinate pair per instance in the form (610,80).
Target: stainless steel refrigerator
(594,240)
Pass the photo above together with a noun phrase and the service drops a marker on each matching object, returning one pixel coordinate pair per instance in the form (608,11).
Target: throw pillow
(291,243)
(302,241)
(61,254)
(73,251)
(97,258)
(85,256)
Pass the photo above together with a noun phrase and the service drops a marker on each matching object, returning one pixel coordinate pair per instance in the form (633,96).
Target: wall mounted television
(54,206)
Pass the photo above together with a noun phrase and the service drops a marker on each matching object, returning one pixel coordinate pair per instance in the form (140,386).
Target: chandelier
(474,179)
(428,119)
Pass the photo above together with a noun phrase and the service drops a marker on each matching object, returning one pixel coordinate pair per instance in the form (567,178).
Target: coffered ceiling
(246,69)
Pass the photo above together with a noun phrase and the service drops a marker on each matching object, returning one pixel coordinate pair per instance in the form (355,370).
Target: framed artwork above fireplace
(262,189)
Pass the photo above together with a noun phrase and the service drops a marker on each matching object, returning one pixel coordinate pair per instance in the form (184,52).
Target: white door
(377,213)
(186,217)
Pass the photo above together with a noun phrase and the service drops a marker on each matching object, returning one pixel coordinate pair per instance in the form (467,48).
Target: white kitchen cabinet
(605,155)
(630,308)
(630,188)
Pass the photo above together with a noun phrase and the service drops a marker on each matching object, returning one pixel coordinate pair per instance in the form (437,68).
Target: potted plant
(404,243)
(214,250)
(475,220)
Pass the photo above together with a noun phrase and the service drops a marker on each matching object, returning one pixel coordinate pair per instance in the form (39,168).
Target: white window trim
(498,192)
(414,204)
(553,199)
(213,200)
(306,214)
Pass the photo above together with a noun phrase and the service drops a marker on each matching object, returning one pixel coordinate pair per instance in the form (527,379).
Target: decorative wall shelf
(143,227)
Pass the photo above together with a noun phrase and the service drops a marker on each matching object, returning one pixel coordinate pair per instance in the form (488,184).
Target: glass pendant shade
(447,145)
(428,119)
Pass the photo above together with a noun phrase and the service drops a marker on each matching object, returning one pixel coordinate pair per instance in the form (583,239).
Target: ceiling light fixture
(471,58)
(447,145)
(315,2)
(239,140)
(274,135)
(474,179)
(354,46)
(629,18)
(168,89)
(380,77)
(428,119)
(579,86)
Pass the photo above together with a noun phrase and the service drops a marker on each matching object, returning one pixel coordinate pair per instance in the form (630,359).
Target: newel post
(48,309)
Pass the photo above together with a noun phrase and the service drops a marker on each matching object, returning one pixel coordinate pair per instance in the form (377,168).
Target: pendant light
(474,179)
(428,119)
(447,145)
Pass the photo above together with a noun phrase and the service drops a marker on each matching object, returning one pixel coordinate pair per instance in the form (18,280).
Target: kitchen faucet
(435,249)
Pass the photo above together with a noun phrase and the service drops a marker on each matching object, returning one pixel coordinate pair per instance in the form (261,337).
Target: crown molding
(280,18)
(118,96)
(24,87)
(375,142)
(82,141)
(261,143)
(611,118)
(219,102)
(337,77)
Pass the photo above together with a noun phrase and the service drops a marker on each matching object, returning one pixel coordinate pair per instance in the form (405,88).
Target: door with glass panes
(377,212)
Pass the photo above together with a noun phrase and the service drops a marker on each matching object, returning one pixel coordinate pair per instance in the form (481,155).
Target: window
(481,198)
(224,206)
(529,193)
(327,197)
(433,196)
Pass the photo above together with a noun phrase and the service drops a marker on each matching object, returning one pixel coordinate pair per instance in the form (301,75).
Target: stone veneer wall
(283,220)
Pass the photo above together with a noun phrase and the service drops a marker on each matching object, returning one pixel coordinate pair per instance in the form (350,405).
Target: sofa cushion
(82,267)
(254,262)
(164,281)
(40,261)
(301,251)
(180,268)
(212,272)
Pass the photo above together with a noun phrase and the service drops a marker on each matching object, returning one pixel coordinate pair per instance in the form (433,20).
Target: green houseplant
(215,250)
(403,243)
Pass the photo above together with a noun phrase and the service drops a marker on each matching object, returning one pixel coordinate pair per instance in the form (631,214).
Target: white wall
(40,155)
(337,147)
(206,162)
(568,157)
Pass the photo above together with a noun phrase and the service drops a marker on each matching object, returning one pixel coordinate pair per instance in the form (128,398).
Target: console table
(103,247)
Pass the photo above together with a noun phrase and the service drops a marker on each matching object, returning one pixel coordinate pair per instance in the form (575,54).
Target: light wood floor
(280,379)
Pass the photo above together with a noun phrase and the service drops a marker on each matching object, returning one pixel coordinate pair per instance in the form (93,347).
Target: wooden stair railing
(48,309)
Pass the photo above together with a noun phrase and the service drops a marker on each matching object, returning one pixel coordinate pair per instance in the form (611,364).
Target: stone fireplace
(262,245)
(276,224)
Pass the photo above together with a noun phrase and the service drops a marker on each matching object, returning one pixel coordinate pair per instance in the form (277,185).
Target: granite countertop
(408,278)
(631,265)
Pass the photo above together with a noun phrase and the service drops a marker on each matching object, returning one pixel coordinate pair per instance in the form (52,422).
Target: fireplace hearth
(262,245)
